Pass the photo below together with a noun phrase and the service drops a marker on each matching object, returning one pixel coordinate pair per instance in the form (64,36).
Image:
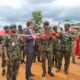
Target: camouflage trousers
(55,58)
(12,67)
(21,53)
(3,61)
(73,47)
(59,59)
(37,54)
(55,54)
(49,56)
(66,55)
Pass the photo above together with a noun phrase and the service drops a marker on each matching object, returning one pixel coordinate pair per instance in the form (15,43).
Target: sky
(19,11)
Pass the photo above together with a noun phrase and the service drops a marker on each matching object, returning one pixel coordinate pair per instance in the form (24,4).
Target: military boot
(44,73)
(50,73)
(58,69)
(66,70)
(73,60)
(3,72)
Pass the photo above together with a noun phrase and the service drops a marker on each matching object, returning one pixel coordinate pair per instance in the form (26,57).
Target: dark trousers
(29,59)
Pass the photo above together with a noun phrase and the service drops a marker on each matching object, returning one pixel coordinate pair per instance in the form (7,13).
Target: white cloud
(67,3)
(52,10)
(11,3)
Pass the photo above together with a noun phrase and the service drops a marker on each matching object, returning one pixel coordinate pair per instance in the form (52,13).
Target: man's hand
(37,36)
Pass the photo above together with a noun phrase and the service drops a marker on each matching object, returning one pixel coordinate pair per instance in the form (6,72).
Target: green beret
(13,26)
(46,23)
(6,27)
(67,25)
(54,27)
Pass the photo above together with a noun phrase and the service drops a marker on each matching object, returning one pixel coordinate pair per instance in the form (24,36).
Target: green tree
(37,17)
(77,24)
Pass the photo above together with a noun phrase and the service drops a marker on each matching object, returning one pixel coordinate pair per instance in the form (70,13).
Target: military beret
(67,25)
(19,26)
(54,27)
(13,26)
(6,27)
(46,23)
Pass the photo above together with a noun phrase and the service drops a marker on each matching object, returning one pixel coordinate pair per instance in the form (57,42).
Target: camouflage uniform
(65,43)
(37,51)
(6,28)
(46,48)
(11,42)
(73,45)
(3,60)
(55,42)
(59,53)
(20,45)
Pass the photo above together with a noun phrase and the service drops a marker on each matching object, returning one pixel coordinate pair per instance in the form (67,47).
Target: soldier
(6,28)
(21,45)
(37,52)
(65,42)
(46,50)
(55,46)
(10,48)
(74,35)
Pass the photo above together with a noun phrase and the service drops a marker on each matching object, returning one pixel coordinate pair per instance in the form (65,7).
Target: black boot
(3,72)
(58,69)
(74,61)
(66,71)
(39,60)
(78,57)
(50,73)
(14,78)
(22,61)
(44,73)
(32,74)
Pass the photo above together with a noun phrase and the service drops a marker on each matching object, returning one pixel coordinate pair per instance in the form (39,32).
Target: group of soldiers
(56,46)
(51,46)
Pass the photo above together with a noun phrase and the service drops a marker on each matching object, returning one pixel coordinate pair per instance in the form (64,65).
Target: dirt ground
(74,72)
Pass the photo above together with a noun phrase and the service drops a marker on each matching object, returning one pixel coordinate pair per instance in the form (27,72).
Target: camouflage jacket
(11,43)
(45,44)
(20,41)
(65,42)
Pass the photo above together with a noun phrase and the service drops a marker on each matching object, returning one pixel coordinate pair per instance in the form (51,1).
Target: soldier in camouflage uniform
(10,48)
(55,46)
(21,45)
(65,44)
(74,34)
(46,50)
(37,52)
(6,28)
